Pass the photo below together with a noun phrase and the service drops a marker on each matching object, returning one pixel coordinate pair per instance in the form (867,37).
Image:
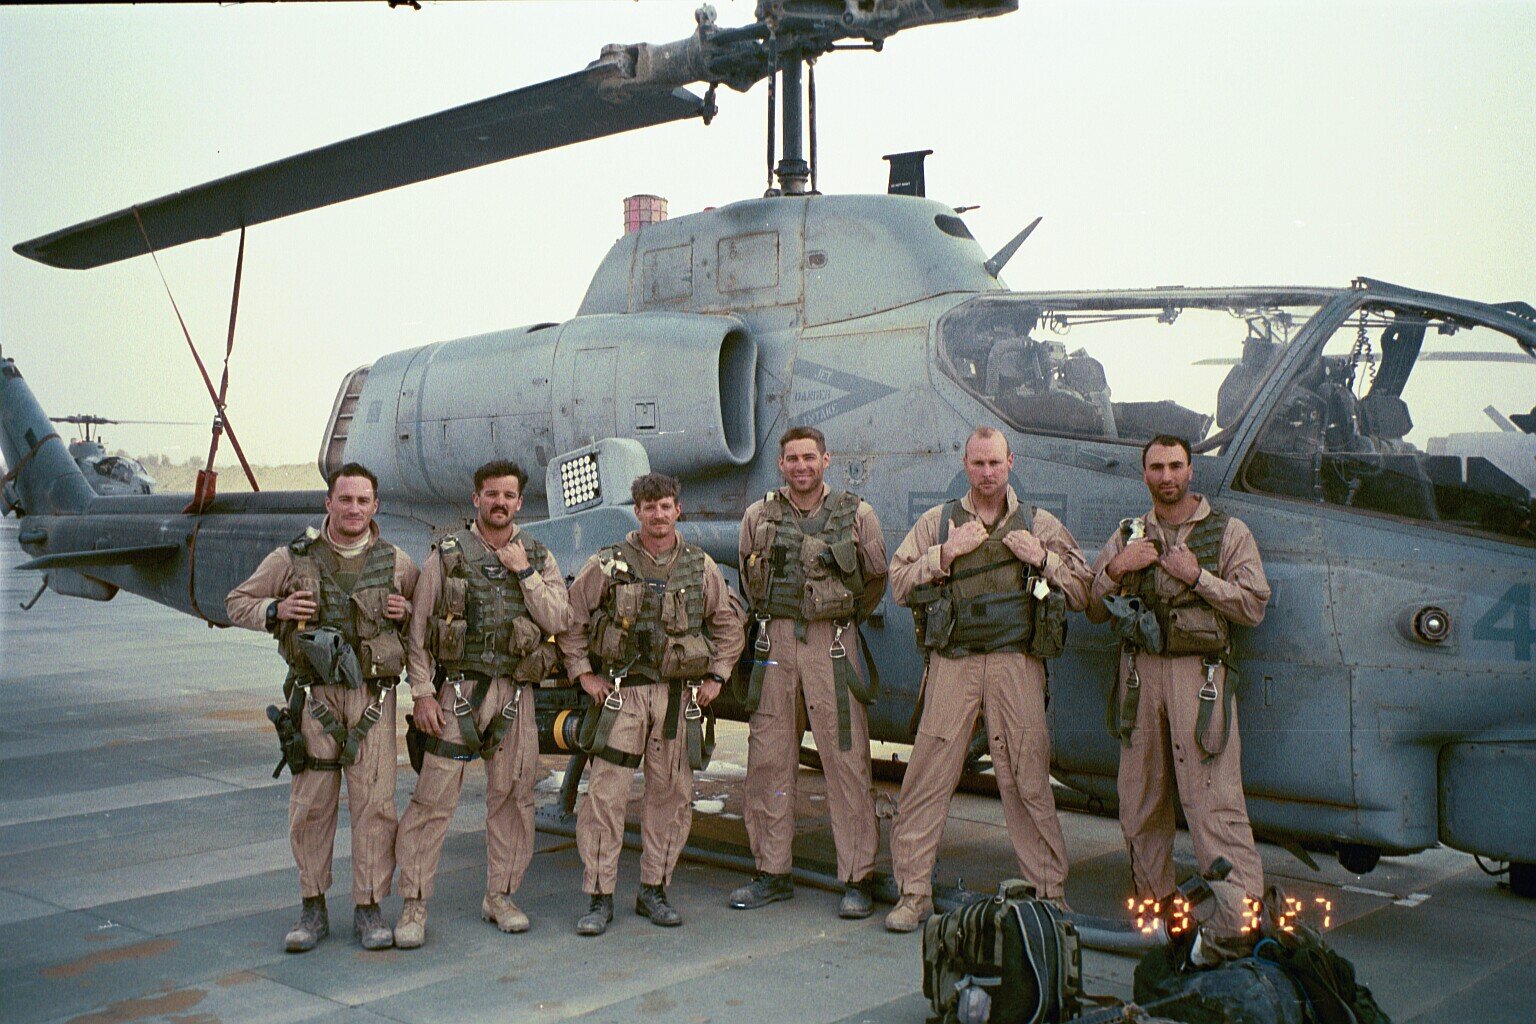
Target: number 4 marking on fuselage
(1515,608)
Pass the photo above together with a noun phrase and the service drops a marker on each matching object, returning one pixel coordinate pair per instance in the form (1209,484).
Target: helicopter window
(1409,414)
(952,225)
(1117,368)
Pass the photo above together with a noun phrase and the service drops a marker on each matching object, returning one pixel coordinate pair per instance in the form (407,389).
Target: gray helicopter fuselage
(705,337)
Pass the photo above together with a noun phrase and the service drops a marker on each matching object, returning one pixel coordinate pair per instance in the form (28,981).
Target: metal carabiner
(692,711)
(615,700)
(762,645)
(837,650)
(461,705)
(1208,691)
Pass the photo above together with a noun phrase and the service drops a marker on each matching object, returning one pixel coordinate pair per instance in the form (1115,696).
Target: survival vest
(351,603)
(480,624)
(1188,624)
(807,568)
(988,601)
(652,628)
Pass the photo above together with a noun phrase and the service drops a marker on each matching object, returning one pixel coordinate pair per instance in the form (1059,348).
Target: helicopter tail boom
(41,477)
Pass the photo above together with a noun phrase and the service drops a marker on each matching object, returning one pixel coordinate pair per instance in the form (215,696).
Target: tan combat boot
(411,928)
(909,914)
(499,907)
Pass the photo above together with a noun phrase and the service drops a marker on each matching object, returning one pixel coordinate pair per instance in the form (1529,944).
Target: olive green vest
(806,569)
(353,604)
(492,605)
(1204,541)
(638,614)
(993,608)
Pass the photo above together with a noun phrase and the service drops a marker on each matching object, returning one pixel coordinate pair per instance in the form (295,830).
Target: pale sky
(1164,143)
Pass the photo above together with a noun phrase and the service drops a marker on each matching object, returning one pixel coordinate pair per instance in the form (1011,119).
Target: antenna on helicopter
(996,264)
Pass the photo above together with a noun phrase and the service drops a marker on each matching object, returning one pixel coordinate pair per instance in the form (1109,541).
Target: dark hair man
(654,634)
(979,573)
(813,565)
(489,601)
(342,586)
(1196,571)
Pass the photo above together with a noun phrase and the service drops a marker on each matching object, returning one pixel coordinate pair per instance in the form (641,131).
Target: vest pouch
(523,636)
(674,612)
(845,555)
(1048,639)
(448,639)
(1195,629)
(939,624)
(454,597)
(828,598)
(383,656)
(369,606)
(816,557)
(686,657)
(537,664)
(627,600)
(609,641)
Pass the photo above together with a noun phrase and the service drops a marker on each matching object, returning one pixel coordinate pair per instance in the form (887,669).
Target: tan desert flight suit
(512,769)
(1163,751)
(1008,687)
(651,707)
(313,800)
(801,670)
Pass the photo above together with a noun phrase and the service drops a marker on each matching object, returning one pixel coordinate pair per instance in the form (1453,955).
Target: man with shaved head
(983,574)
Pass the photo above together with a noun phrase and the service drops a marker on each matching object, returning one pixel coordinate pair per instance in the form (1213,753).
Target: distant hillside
(173,477)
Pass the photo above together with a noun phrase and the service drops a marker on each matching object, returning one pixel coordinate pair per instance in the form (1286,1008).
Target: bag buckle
(509,709)
(692,711)
(375,711)
(615,700)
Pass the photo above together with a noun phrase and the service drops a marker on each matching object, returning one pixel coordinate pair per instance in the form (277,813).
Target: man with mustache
(1195,570)
(345,585)
(813,566)
(656,614)
(488,605)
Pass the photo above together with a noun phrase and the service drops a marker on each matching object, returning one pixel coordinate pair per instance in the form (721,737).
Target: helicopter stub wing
(566,110)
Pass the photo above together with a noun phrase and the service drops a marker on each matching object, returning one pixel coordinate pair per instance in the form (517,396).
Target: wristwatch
(271,616)
(525,572)
(717,677)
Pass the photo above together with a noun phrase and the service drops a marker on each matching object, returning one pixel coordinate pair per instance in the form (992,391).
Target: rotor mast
(792,170)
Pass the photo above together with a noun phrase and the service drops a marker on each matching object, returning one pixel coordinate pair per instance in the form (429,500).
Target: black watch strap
(271,616)
(525,572)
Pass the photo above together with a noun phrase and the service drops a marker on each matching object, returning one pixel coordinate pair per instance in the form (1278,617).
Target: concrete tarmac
(145,875)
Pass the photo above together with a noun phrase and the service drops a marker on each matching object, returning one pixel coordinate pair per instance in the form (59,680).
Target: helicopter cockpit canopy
(1121,367)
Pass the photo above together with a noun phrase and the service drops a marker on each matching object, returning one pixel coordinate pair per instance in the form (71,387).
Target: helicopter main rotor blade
(573,108)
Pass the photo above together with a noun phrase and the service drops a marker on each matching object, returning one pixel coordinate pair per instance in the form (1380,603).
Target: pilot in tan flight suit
(813,566)
(336,598)
(473,699)
(1175,581)
(657,615)
(991,580)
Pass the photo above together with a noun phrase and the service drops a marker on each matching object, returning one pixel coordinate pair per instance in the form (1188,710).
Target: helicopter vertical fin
(41,478)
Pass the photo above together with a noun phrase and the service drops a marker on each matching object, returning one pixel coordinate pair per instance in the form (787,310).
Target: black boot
(858,900)
(763,890)
(599,914)
(652,903)
(314,925)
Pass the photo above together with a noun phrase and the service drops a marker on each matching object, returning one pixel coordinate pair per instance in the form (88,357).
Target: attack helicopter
(1386,704)
(110,474)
